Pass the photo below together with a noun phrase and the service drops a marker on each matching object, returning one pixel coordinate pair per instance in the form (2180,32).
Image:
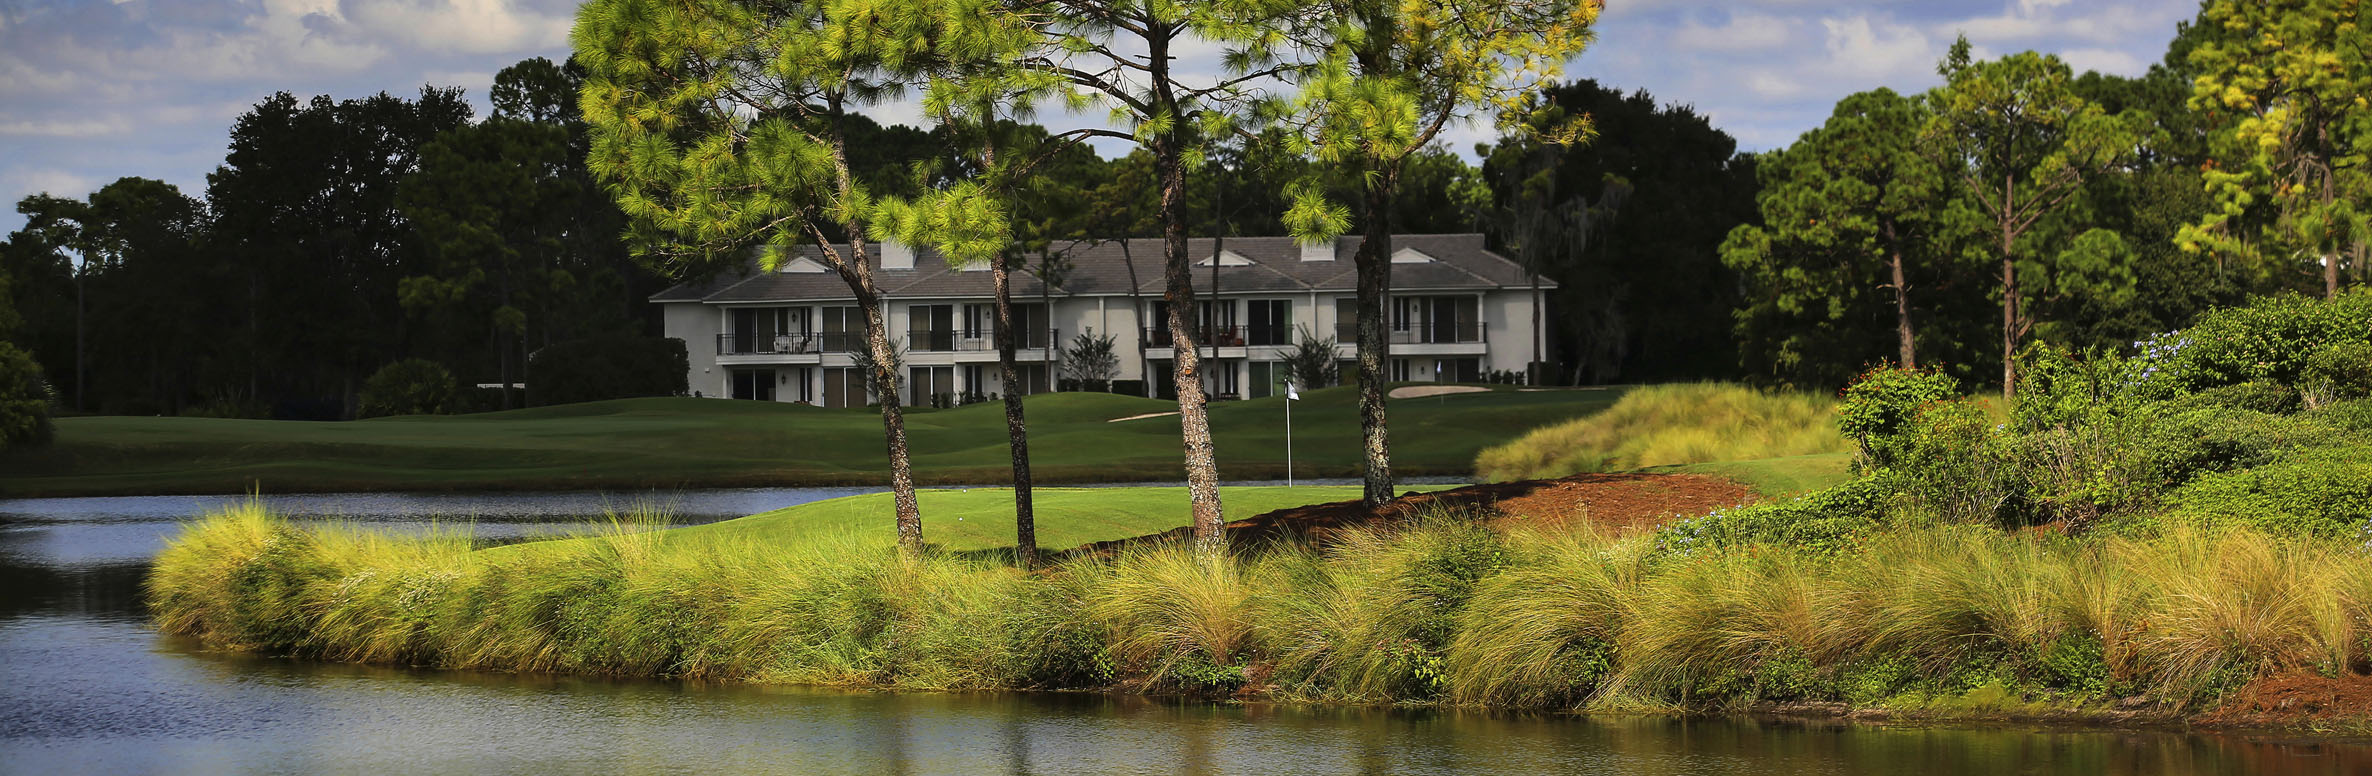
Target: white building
(1458,312)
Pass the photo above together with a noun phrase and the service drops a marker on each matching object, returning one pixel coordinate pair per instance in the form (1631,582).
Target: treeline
(337,237)
(2021,205)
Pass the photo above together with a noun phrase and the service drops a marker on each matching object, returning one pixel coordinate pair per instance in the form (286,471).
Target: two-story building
(1457,312)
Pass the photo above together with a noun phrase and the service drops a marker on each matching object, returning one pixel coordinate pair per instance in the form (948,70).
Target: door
(741,330)
(931,386)
(844,329)
(1270,322)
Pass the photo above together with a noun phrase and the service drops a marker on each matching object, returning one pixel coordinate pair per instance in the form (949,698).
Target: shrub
(607,368)
(24,400)
(1958,465)
(2255,396)
(2338,372)
(2271,339)
(1820,521)
(1670,424)
(413,386)
(1879,406)
(2323,491)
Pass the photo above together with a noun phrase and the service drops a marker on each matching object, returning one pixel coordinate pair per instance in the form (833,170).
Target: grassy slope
(982,518)
(694,442)
(1776,477)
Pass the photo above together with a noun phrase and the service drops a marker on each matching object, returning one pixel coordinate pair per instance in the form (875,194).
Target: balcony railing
(977,341)
(1222,336)
(1436,334)
(742,343)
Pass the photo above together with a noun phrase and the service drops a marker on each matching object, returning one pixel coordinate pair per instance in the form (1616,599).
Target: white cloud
(16,183)
(470,26)
(66,128)
(1743,32)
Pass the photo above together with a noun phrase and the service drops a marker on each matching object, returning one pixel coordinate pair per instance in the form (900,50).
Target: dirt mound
(2298,700)
(1608,500)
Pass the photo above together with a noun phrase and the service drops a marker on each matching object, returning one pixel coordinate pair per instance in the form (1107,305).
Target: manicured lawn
(982,518)
(672,443)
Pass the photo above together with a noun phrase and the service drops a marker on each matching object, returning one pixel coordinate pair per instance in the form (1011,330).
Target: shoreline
(1546,623)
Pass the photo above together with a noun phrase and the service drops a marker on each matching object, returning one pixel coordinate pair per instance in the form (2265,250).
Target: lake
(86,686)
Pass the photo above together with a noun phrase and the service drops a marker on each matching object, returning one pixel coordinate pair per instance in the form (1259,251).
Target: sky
(93,90)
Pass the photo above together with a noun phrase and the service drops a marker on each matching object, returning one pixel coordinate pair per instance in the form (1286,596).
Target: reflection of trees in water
(103,590)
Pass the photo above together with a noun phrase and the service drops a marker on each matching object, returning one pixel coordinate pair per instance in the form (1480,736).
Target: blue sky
(92,90)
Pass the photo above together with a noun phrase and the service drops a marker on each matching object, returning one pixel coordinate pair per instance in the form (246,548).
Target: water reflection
(85,686)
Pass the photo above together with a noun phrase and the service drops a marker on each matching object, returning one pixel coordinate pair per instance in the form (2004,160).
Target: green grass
(1665,425)
(1776,477)
(975,519)
(670,443)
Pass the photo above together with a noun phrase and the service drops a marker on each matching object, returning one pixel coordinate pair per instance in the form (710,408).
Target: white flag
(1290,394)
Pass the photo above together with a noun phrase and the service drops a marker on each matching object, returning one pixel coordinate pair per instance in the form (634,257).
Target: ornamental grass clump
(1752,623)
(1680,423)
(1176,618)
(1542,632)
(1369,619)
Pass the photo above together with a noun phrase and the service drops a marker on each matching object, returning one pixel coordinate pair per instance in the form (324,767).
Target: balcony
(951,341)
(742,343)
(1461,332)
(1223,336)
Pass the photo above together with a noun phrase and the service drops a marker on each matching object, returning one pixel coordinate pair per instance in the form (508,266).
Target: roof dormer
(1411,256)
(1226,259)
(801,265)
(1318,251)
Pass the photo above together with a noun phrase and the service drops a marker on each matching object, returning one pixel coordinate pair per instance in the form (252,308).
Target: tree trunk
(1902,301)
(1202,465)
(2009,319)
(1194,420)
(502,369)
(1532,371)
(1017,436)
(1373,263)
(2331,275)
(893,421)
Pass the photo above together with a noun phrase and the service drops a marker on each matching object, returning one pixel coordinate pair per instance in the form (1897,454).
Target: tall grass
(1439,610)
(1671,424)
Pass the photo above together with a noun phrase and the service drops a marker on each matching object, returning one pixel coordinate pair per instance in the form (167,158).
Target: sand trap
(1422,391)
(1144,416)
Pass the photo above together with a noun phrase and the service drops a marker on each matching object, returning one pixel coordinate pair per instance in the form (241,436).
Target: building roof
(1422,262)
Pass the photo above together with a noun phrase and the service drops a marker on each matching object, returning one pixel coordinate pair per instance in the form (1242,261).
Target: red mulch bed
(1617,501)
(2296,700)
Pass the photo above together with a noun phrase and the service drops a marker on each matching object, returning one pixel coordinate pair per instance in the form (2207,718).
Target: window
(1268,379)
(1346,320)
(844,330)
(1271,322)
(753,384)
(1399,370)
(930,327)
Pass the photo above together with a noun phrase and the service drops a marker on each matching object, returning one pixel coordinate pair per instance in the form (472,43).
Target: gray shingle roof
(1460,263)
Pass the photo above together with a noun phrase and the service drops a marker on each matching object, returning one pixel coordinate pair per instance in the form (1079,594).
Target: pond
(87,686)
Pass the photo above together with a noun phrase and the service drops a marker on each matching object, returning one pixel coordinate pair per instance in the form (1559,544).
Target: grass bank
(1680,424)
(1946,621)
(674,443)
